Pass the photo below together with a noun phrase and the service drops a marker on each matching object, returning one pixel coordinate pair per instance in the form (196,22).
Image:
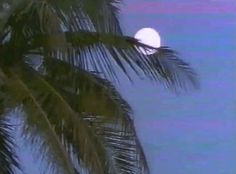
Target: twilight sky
(180,7)
(193,133)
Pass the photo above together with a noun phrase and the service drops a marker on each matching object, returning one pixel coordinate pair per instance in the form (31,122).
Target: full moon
(148,36)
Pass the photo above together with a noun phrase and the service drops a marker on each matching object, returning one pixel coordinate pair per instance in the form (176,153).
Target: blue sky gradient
(195,132)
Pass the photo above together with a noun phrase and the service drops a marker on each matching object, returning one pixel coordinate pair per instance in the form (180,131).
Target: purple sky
(193,133)
(183,6)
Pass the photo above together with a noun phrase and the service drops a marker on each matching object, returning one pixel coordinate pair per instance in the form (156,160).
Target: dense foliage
(57,61)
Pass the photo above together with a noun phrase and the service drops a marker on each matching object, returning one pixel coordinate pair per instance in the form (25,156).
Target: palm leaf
(100,51)
(8,160)
(107,105)
(105,52)
(70,129)
(100,15)
(103,14)
(38,129)
(84,89)
(105,110)
(122,144)
(77,109)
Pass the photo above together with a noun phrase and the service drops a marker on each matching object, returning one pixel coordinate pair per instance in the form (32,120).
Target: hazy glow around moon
(148,36)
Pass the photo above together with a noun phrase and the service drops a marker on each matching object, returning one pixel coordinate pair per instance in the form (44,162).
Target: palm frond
(121,143)
(9,162)
(76,137)
(174,70)
(105,110)
(88,92)
(103,15)
(6,9)
(107,105)
(74,15)
(105,52)
(90,49)
(37,129)
(100,15)
(78,118)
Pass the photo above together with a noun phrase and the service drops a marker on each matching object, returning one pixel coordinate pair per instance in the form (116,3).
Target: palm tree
(57,61)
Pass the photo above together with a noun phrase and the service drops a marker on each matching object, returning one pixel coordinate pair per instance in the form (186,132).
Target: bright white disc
(148,36)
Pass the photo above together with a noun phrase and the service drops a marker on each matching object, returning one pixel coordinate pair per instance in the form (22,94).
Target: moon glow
(148,36)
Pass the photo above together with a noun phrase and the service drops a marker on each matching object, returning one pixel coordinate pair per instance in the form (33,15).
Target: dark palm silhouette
(57,58)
